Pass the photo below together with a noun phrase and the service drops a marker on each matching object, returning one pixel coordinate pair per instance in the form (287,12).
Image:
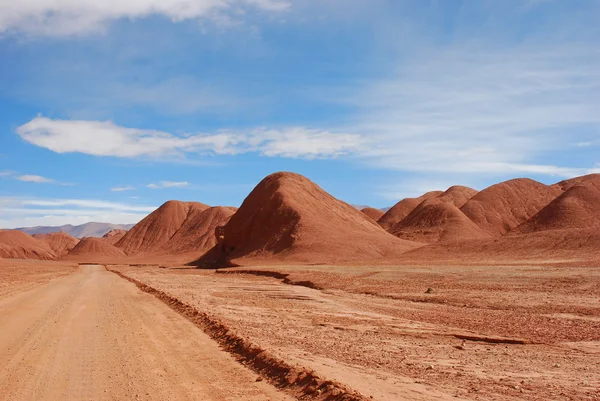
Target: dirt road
(93,335)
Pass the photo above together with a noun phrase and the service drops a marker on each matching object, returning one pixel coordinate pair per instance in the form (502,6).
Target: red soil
(158,227)
(436,220)
(502,207)
(577,208)
(566,184)
(575,246)
(401,209)
(60,243)
(289,218)
(197,233)
(458,195)
(114,236)
(16,244)
(94,249)
(373,213)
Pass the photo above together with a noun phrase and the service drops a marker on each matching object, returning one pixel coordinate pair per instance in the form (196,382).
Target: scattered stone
(259,379)
(429,291)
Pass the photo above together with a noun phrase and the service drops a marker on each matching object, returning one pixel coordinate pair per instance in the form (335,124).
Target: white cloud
(38,179)
(72,17)
(24,211)
(122,188)
(95,204)
(169,184)
(6,173)
(304,143)
(468,110)
(104,138)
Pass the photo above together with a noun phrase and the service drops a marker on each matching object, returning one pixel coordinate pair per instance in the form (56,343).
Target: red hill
(458,195)
(114,236)
(289,218)
(16,244)
(197,233)
(373,213)
(437,220)
(60,243)
(566,184)
(552,246)
(156,229)
(504,206)
(94,249)
(577,208)
(401,209)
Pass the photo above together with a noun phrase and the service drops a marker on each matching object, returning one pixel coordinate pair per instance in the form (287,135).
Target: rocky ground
(498,333)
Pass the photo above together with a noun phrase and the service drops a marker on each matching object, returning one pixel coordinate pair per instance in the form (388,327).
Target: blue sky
(108,110)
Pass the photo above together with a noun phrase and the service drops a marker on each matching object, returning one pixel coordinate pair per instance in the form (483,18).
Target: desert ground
(457,294)
(83,333)
(72,331)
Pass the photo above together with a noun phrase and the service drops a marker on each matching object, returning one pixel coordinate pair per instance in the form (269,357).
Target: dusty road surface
(91,335)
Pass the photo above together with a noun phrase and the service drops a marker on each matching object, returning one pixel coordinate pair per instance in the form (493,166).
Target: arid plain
(459,294)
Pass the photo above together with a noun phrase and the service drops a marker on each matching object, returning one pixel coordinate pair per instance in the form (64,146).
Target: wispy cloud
(38,179)
(6,173)
(96,204)
(168,184)
(65,18)
(122,188)
(66,136)
(468,110)
(29,211)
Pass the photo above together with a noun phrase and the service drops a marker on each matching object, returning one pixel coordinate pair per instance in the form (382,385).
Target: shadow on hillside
(214,258)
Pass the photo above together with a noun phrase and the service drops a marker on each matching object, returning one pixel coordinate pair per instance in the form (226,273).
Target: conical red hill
(16,244)
(438,220)
(94,249)
(289,218)
(373,213)
(502,207)
(458,195)
(156,229)
(197,233)
(60,243)
(401,209)
(114,236)
(577,208)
